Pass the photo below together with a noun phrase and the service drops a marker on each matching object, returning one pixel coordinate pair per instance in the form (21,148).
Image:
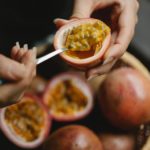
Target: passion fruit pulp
(73,137)
(27,123)
(86,40)
(125,99)
(68,97)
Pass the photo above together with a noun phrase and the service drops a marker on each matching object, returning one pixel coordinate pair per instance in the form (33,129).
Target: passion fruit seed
(26,119)
(85,38)
(66,98)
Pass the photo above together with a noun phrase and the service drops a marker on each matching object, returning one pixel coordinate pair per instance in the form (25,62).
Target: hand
(20,70)
(123,19)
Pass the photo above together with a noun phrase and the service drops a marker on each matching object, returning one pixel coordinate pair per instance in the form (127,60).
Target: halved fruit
(27,123)
(86,40)
(68,97)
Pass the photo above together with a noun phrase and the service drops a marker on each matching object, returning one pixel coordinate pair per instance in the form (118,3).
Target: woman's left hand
(123,20)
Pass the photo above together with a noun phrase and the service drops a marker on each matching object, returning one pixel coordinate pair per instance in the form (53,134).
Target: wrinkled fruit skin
(73,138)
(124,98)
(117,141)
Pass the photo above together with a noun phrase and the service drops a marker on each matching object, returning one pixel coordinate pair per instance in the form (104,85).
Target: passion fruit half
(86,41)
(27,123)
(68,97)
(73,137)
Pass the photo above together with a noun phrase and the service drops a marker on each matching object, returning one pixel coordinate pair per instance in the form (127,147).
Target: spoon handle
(50,55)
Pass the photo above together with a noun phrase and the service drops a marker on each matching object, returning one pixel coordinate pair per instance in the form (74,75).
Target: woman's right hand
(20,70)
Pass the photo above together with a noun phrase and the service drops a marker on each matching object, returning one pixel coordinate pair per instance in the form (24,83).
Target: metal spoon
(50,55)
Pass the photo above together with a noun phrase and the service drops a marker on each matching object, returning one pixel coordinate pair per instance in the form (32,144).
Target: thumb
(60,22)
(82,9)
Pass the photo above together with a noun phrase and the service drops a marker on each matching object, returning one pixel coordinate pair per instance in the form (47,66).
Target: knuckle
(137,5)
(26,75)
(34,73)
(26,82)
(121,53)
(136,19)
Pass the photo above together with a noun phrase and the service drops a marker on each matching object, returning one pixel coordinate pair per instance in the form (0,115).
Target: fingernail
(25,46)
(18,45)
(55,20)
(108,60)
(34,50)
(92,76)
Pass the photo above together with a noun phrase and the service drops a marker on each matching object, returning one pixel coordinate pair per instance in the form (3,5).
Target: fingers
(82,9)
(18,70)
(17,52)
(29,60)
(126,32)
(11,93)
(10,69)
(120,41)
(100,70)
(126,23)
(24,55)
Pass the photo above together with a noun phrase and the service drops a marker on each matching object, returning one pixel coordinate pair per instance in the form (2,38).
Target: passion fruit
(86,41)
(117,141)
(68,97)
(73,137)
(27,123)
(124,98)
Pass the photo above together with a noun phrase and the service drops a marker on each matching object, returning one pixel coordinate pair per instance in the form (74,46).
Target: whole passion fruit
(117,141)
(68,97)
(124,98)
(27,123)
(73,137)
(86,41)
